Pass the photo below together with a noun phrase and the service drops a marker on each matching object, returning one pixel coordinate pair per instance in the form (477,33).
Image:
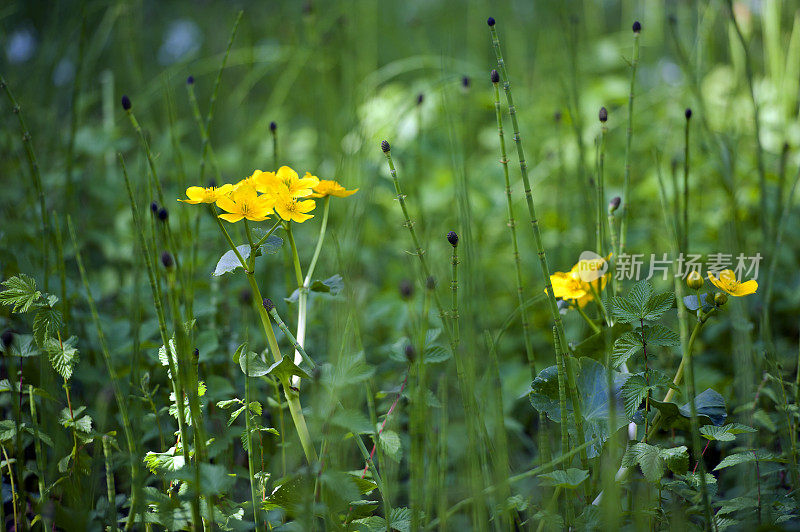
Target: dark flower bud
(688,113)
(603,114)
(430,283)
(167,260)
(268,304)
(557,116)
(637,27)
(465,81)
(406,289)
(154,207)
(420,98)
(613,205)
(385,146)
(126,102)
(7,338)
(196,354)
(490,21)
(273,127)
(163,214)
(452,237)
(190,80)
(411,353)
(495,76)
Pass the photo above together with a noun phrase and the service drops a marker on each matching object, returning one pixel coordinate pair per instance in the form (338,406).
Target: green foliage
(63,355)
(710,407)
(641,304)
(20,293)
(746,457)
(567,479)
(726,432)
(637,387)
(653,460)
(631,343)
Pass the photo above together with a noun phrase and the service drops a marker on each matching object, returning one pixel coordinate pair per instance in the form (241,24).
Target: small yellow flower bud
(720,298)
(694,280)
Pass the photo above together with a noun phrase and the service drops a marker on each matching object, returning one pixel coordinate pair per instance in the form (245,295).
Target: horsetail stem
(452,237)
(626,183)
(685,243)
(39,457)
(270,306)
(212,103)
(273,130)
(37,180)
(603,115)
(248,427)
(548,286)
(110,490)
(112,373)
(512,227)
(695,426)
(155,289)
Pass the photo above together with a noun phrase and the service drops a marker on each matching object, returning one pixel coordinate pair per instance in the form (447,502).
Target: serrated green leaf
(624,311)
(63,355)
(20,293)
(725,433)
(639,295)
(648,458)
(750,456)
(330,287)
(390,445)
(229,403)
(634,392)
(46,322)
(567,479)
(657,334)
(164,462)
(657,305)
(676,458)
(625,347)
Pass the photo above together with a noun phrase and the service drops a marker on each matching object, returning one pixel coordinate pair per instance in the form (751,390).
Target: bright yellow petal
(285,174)
(746,288)
(227,204)
(716,282)
(305,206)
(343,193)
(231,217)
(300,217)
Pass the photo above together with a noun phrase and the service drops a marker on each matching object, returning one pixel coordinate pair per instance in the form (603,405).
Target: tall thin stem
(626,184)
(548,286)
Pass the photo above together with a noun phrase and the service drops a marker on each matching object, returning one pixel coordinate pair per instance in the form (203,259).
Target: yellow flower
(293,185)
(244,202)
(727,283)
(254,181)
(206,195)
(329,187)
(292,210)
(572,285)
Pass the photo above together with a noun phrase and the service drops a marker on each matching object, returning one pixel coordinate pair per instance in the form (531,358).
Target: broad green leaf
(634,392)
(257,366)
(329,287)
(164,462)
(625,347)
(659,335)
(676,458)
(271,245)
(593,389)
(229,261)
(571,478)
(228,403)
(624,311)
(639,295)
(20,293)
(692,303)
(63,355)
(710,411)
(286,369)
(750,456)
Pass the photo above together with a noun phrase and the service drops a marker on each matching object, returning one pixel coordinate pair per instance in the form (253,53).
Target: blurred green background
(337,77)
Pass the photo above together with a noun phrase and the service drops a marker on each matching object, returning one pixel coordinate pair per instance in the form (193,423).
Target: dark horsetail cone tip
(167,260)
(490,21)
(637,27)
(273,126)
(603,114)
(688,113)
(126,102)
(163,214)
(495,76)
(154,207)
(613,205)
(268,304)
(452,237)
(190,80)
(385,146)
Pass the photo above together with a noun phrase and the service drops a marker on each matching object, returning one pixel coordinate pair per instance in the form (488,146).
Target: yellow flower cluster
(572,286)
(256,197)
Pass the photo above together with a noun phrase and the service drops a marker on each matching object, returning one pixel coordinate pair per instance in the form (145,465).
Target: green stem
(250,458)
(110,489)
(600,184)
(512,227)
(685,246)
(626,184)
(292,397)
(320,239)
(39,458)
(282,326)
